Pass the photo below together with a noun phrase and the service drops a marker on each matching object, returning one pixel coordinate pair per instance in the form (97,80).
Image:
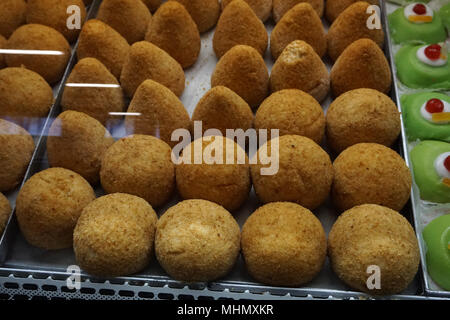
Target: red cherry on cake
(433,52)
(419,9)
(434,106)
(447,163)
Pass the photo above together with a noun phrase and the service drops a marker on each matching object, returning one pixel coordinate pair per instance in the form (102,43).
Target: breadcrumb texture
(280,7)
(39,37)
(238,24)
(140,165)
(49,205)
(114,235)
(283,244)
(227,184)
(160,112)
(174,31)
(12,16)
(5,212)
(78,142)
(197,240)
(204,12)
(147,61)
(350,26)
(2,46)
(262,8)
(370,173)
(333,8)
(152,5)
(220,108)
(370,235)
(292,111)
(128,17)
(16,149)
(100,41)
(362,115)
(24,96)
(361,65)
(53,13)
(305,172)
(242,69)
(299,23)
(299,67)
(97,102)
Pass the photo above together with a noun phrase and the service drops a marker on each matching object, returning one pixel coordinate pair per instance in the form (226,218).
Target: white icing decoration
(428,116)
(410,12)
(439,165)
(434,63)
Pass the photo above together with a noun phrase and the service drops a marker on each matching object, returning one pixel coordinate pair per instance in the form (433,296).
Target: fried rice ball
(128,17)
(215,178)
(283,244)
(53,13)
(220,108)
(39,37)
(99,102)
(16,149)
(114,235)
(292,111)
(140,165)
(204,12)
(304,175)
(242,69)
(5,211)
(197,240)
(333,8)
(370,173)
(262,8)
(280,7)
(12,16)
(24,96)
(373,235)
(100,41)
(362,115)
(78,142)
(49,205)
(2,46)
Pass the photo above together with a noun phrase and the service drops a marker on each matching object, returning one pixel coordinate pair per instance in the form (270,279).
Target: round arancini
(39,37)
(78,142)
(114,235)
(25,97)
(362,115)
(5,211)
(370,173)
(292,111)
(368,237)
(283,244)
(215,178)
(16,149)
(197,240)
(140,165)
(12,16)
(49,205)
(304,174)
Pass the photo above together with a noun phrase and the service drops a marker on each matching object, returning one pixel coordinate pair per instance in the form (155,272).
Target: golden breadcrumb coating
(362,115)
(283,244)
(305,173)
(49,205)
(197,240)
(78,142)
(5,212)
(262,8)
(204,12)
(370,173)
(292,111)
(227,184)
(114,235)
(140,165)
(372,235)
(333,8)
(12,16)
(280,7)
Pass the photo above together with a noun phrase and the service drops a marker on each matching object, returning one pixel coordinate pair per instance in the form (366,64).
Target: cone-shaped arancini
(333,8)
(262,8)
(204,12)
(280,7)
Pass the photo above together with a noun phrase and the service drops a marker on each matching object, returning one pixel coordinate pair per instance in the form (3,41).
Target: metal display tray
(31,273)
(422,211)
